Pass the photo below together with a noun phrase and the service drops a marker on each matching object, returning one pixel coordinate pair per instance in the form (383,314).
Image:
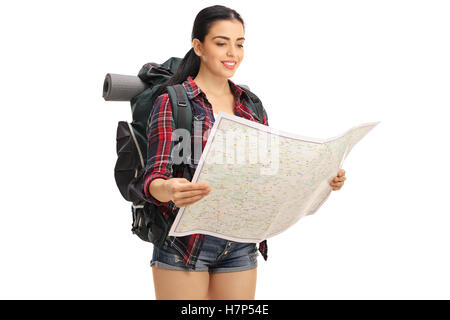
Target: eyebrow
(226,38)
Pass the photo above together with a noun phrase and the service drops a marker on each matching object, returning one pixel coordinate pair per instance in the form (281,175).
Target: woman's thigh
(233,285)
(233,276)
(180,285)
(232,264)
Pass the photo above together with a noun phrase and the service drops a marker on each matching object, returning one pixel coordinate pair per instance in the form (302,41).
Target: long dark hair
(190,65)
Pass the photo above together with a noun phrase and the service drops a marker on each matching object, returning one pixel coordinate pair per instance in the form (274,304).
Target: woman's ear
(197,46)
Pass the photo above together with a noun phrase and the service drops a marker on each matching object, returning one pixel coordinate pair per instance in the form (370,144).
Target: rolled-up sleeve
(159,144)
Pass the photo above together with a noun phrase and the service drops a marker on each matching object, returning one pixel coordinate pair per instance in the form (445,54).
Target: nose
(232,53)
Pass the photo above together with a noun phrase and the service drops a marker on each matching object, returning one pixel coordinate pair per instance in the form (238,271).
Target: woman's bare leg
(180,285)
(233,285)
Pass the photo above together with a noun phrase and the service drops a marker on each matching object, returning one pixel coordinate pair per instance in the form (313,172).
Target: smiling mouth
(229,65)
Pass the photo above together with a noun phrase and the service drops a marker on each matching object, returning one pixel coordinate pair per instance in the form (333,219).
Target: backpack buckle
(182,103)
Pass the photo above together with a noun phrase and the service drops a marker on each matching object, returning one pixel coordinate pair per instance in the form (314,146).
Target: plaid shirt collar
(192,90)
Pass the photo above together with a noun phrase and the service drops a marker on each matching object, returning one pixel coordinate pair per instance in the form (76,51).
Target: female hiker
(199,266)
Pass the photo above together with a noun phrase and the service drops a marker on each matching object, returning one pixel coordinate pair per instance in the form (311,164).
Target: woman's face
(224,42)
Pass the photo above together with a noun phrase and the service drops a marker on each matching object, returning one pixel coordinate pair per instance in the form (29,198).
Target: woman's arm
(159,185)
(179,190)
(159,148)
(158,189)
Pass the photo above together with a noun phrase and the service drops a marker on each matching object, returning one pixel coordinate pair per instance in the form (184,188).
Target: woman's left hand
(338,181)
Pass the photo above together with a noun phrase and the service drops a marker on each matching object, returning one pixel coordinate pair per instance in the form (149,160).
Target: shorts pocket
(254,252)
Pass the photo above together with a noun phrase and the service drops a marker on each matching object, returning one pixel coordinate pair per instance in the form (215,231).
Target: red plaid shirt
(159,163)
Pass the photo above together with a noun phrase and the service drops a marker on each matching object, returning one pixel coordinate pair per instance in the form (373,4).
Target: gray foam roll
(119,87)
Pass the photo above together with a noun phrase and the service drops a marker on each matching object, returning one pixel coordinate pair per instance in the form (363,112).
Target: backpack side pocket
(129,159)
(149,224)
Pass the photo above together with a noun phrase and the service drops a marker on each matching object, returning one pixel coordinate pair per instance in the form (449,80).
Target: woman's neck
(213,86)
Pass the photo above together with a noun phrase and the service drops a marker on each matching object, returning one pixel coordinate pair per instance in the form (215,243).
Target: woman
(200,266)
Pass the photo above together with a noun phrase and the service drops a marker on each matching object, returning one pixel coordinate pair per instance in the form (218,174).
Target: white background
(320,68)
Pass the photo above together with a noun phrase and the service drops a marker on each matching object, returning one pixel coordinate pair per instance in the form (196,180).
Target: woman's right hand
(184,192)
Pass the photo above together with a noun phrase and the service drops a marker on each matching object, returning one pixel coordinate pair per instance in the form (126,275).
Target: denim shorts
(217,255)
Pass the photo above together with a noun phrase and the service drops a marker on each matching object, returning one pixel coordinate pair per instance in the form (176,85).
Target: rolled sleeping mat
(119,87)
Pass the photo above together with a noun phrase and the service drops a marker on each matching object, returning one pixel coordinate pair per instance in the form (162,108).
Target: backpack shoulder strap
(182,116)
(181,107)
(254,103)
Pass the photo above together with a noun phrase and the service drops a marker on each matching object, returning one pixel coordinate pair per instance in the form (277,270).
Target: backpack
(131,146)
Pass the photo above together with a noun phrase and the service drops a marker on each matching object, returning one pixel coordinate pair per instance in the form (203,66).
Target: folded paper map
(262,180)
